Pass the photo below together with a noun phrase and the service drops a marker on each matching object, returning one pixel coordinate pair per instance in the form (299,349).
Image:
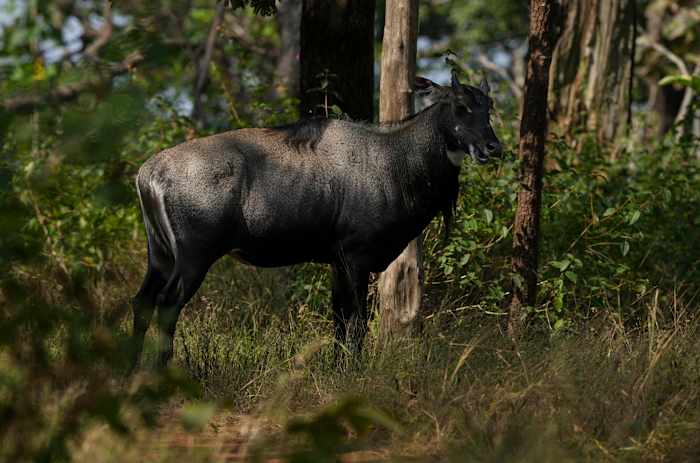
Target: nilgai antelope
(348,194)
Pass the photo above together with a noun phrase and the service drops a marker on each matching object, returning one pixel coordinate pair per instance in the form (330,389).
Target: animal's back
(250,190)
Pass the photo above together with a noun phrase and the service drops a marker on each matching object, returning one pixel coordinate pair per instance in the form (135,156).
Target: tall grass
(457,387)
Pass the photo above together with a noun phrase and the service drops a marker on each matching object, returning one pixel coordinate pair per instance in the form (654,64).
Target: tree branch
(203,69)
(489,65)
(239,33)
(680,64)
(104,33)
(687,100)
(646,41)
(65,93)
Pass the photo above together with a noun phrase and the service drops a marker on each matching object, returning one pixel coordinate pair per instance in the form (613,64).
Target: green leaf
(635,217)
(559,301)
(562,265)
(625,248)
(571,276)
(682,79)
(489,215)
(608,212)
(202,15)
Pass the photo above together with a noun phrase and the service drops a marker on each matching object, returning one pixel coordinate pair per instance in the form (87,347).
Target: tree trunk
(287,72)
(401,285)
(591,66)
(533,134)
(337,57)
(203,69)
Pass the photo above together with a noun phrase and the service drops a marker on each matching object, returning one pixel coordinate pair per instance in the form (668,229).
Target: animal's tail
(159,231)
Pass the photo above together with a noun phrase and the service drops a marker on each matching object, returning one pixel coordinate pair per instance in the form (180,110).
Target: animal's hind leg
(182,285)
(143,305)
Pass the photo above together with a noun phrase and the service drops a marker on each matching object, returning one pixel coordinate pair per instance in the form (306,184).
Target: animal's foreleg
(350,305)
(357,326)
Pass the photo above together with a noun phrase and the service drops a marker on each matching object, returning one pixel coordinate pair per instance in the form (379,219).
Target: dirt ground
(227,438)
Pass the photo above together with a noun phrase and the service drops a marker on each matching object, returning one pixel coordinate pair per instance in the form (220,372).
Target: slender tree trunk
(203,68)
(337,57)
(590,72)
(287,72)
(533,134)
(401,285)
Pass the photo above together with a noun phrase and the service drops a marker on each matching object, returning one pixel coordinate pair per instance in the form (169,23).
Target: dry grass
(459,389)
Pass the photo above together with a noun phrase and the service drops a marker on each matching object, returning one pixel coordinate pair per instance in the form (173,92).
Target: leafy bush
(613,228)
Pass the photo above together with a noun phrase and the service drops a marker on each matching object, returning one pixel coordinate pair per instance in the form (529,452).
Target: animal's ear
(424,86)
(484,86)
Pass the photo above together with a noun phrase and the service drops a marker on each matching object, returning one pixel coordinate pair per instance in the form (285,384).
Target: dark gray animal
(347,194)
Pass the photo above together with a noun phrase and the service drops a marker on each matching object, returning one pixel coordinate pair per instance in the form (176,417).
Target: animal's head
(466,122)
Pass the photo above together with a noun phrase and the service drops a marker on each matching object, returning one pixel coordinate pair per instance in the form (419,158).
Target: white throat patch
(456,157)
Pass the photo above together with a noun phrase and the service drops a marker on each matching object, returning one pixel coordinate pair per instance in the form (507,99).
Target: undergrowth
(609,369)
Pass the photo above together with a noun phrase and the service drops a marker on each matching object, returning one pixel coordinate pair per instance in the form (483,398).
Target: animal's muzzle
(494,149)
(477,154)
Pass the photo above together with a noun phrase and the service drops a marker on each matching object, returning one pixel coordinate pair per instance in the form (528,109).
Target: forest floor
(230,438)
(457,390)
(226,437)
(608,394)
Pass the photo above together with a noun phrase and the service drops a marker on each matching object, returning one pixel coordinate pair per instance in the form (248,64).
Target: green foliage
(58,370)
(615,229)
(310,286)
(82,210)
(618,253)
(612,230)
(684,80)
(474,22)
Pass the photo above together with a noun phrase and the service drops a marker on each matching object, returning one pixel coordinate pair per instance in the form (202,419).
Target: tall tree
(591,67)
(533,134)
(400,286)
(337,57)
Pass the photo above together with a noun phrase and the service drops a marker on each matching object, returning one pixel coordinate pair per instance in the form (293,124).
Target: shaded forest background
(608,366)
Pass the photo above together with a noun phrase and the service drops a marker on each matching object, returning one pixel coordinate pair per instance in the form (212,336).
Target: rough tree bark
(400,286)
(590,71)
(533,134)
(337,37)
